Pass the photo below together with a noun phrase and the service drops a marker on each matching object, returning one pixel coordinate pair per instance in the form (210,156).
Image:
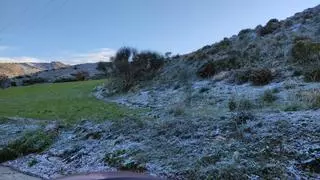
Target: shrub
(31,142)
(13,83)
(311,98)
(117,159)
(305,52)
(104,66)
(204,89)
(133,67)
(242,34)
(292,107)
(4,81)
(32,162)
(35,80)
(177,110)
(146,61)
(122,59)
(312,74)
(65,79)
(268,96)
(241,76)
(232,104)
(212,68)
(81,75)
(270,27)
(240,105)
(207,70)
(244,105)
(242,117)
(260,76)
(223,45)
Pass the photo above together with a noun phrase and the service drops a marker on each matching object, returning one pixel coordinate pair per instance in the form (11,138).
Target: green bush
(223,45)
(305,52)
(232,104)
(268,96)
(241,76)
(4,81)
(65,79)
(240,105)
(82,75)
(32,162)
(145,63)
(262,76)
(132,67)
(104,66)
(115,159)
(244,105)
(118,158)
(312,74)
(35,80)
(31,142)
(211,68)
(177,110)
(242,117)
(270,27)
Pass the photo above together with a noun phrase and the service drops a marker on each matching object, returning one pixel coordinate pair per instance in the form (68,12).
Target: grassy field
(69,102)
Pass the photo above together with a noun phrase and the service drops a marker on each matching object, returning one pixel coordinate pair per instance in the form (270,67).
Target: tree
(122,64)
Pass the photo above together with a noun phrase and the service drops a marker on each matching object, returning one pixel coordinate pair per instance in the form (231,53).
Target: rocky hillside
(20,69)
(274,46)
(65,74)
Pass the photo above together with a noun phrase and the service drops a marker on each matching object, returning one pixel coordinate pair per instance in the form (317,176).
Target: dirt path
(10,174)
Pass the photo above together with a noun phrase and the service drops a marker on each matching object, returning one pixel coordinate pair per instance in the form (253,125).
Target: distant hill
(20,69)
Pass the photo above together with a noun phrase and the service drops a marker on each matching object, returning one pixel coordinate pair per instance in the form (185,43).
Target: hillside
(246,107)
(268,46)
(21,69)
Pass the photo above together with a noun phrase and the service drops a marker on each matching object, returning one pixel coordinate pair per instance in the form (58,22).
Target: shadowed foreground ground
(10,174)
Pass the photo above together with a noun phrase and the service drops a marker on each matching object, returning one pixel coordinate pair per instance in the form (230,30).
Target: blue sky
(76,31)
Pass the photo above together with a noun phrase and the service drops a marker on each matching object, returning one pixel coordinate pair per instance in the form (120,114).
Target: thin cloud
(20,60)
(103,54)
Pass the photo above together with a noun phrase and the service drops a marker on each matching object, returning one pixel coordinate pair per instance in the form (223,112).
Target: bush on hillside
(312,74)
(31,142)
(82,75)
(268,96)
(34,80)
(122,59)
(223,45)
(242,104)
(104,66)
(240,76)
(262,76)
(270,27)
(133,66)
(147,61)
(207,70)
(211,68)
(4,81)
(243,33)
(305,52)
(65,79)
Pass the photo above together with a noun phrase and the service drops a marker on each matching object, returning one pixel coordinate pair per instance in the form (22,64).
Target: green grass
(68,102)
